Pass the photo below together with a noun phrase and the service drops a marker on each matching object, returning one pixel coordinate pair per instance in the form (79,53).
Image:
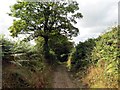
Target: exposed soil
(61,78)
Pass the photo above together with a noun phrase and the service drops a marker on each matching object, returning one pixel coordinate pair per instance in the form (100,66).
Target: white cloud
(5,20)
(119,13)
(98,15)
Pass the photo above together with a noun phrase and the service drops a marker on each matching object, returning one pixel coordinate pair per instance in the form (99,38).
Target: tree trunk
(46,48)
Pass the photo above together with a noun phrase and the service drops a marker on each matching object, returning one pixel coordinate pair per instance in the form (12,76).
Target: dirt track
(62,79)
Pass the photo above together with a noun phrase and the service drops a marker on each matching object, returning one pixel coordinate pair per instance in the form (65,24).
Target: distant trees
(44,20)
(60,45)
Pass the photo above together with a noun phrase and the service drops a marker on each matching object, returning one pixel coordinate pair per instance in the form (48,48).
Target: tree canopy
(44,20)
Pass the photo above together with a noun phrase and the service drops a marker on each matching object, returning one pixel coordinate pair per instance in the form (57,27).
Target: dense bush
(6,47)
(99,56)
(25,69)
(106,51)
(81,57)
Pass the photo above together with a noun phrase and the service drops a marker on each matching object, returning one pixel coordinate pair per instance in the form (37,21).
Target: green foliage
(60,46)
(21,47)
(44,20)
(23,66)
(82,55)
(24,51)
(39,44)
(106,50)
(6,46)
(102,54)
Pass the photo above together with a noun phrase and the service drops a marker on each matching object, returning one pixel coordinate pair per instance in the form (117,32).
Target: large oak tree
(37,19)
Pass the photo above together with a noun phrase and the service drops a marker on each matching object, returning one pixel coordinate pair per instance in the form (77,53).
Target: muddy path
(61,78)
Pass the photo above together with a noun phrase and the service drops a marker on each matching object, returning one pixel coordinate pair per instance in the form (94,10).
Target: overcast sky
(98,16)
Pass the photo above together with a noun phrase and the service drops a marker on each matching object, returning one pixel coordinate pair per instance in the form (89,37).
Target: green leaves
(112,68)
(82,56)
(48,16)
(78,15)
(60,46)
(103,56)
(37,19)
(6,48)
(18,27)
(104,48)
(72,7)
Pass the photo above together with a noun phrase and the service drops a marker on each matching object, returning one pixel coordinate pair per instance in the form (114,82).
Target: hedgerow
(99,56)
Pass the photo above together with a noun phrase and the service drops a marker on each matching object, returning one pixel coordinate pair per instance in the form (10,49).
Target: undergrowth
(15,76)
(95,61)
